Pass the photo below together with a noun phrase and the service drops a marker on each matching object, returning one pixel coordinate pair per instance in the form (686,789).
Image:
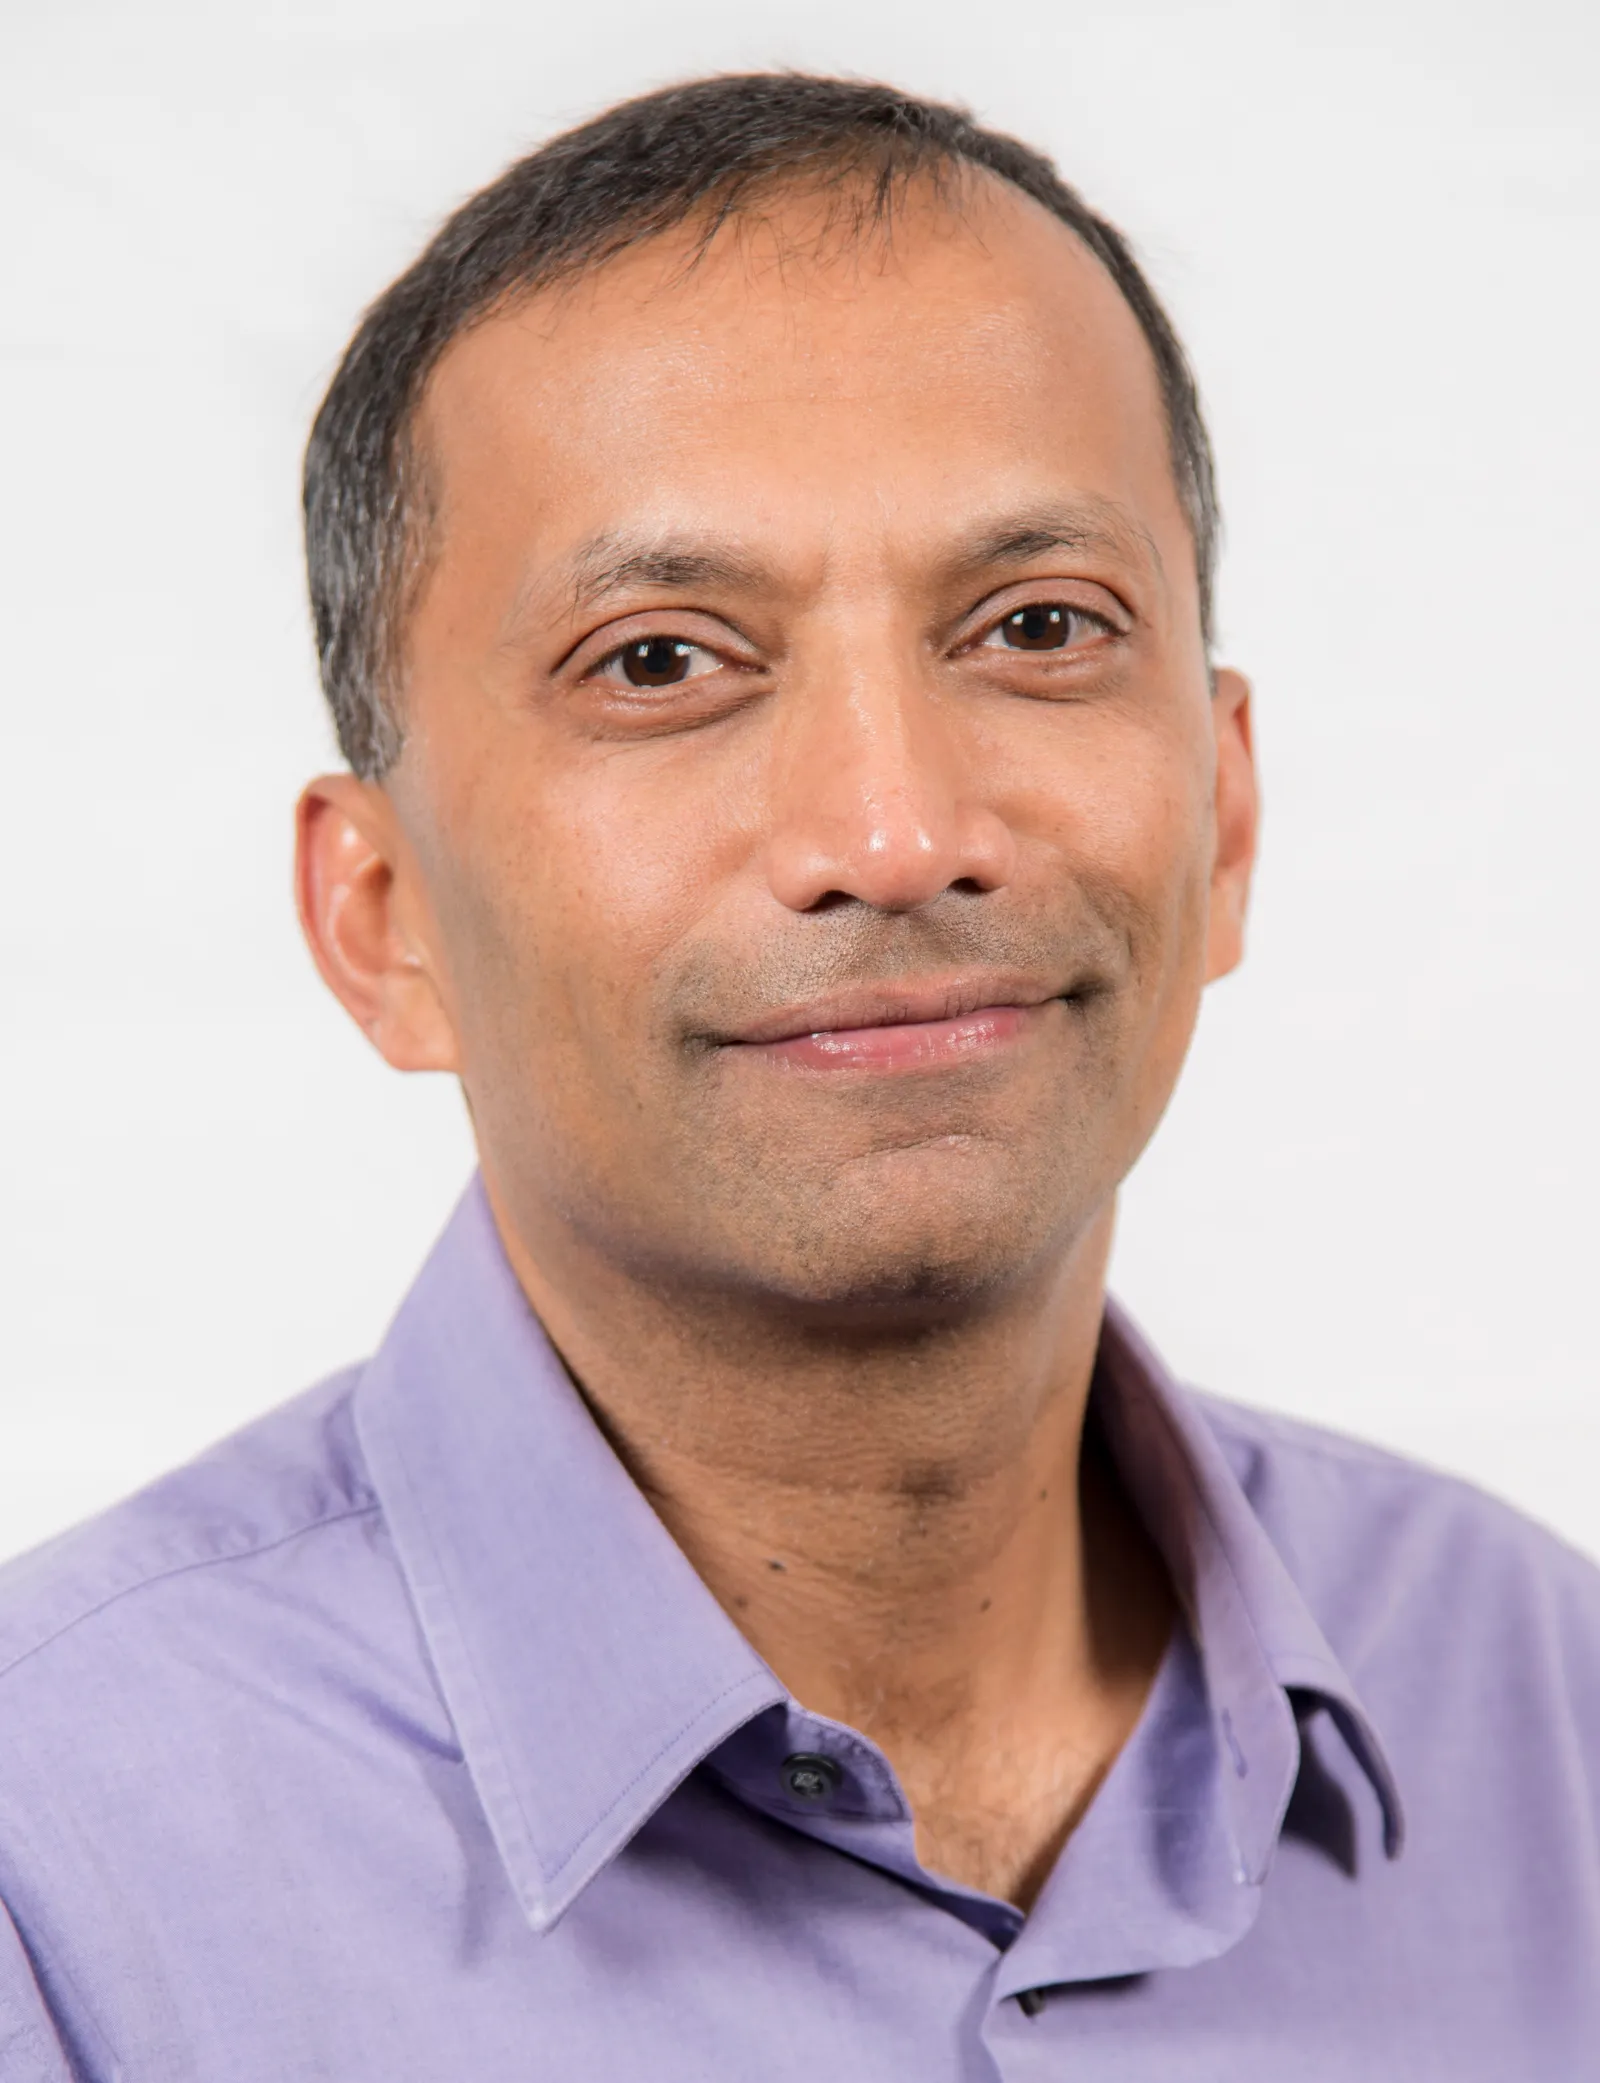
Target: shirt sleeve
(30,2047)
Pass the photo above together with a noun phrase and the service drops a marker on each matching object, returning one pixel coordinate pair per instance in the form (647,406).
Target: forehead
(807,380)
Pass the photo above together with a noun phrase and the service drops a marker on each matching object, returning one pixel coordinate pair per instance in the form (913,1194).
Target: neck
(904,1524)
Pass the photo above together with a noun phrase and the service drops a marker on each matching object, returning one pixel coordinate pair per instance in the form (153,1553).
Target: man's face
(815,820)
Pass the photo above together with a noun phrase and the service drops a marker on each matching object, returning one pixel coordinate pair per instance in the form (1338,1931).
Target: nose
(875,797)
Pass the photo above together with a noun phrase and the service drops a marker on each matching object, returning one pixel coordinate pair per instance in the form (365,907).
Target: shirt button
(810,1777)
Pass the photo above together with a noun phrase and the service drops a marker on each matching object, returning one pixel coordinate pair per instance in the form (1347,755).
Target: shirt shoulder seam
(184,1569)
(1275,1433)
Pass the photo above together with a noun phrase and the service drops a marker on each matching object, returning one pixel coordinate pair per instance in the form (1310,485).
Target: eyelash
(1082,615)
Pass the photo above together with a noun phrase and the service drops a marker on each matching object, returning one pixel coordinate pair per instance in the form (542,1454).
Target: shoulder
(169,1667)
(290,1476)
(1403,1563)
(204,1682)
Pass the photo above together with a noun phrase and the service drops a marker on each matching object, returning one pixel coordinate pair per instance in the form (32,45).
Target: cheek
(1125,805)
(1144,830)
(640,849)
(580,880)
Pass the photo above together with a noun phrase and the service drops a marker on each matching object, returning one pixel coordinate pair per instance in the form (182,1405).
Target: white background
(1376,226)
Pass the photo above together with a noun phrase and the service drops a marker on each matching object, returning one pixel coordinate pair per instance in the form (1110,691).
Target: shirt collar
(1259,1641)
(587,1669)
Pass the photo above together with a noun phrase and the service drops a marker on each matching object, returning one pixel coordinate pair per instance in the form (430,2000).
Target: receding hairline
(713,227)
(956,190)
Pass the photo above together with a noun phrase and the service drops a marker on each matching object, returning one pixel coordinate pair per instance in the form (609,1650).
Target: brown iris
(656,661)
(1042,627)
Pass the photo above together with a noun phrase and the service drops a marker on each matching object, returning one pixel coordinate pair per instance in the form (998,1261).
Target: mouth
(927,1026)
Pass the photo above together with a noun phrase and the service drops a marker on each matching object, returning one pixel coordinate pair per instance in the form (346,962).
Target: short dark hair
(703,151)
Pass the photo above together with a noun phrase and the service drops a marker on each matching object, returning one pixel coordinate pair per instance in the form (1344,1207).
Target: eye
(1043,625)
(657,661)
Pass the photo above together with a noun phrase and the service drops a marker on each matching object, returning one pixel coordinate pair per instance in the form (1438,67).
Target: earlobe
(352,877)
(1237,815)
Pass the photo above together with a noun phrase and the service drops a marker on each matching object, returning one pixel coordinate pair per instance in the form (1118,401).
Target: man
(762,1613)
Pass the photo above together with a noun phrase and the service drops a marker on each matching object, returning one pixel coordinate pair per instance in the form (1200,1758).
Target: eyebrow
(608,563)
(1094,524)
(614,560)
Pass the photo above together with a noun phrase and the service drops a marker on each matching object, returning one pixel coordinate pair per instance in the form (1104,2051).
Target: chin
(873,1260)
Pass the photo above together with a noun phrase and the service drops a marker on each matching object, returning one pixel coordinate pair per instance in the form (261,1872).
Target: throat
(998,1649)
(1001,1758)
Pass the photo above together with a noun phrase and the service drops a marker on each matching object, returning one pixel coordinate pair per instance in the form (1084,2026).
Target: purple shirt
(394,1741)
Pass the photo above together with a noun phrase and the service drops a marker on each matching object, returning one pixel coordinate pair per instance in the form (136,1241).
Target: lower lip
(915,1045)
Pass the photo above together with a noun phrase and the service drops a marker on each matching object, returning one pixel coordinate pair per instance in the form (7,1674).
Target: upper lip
(894,1005)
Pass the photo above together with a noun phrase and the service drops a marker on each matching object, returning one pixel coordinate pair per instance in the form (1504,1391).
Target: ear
(1237,812)
(363,912)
